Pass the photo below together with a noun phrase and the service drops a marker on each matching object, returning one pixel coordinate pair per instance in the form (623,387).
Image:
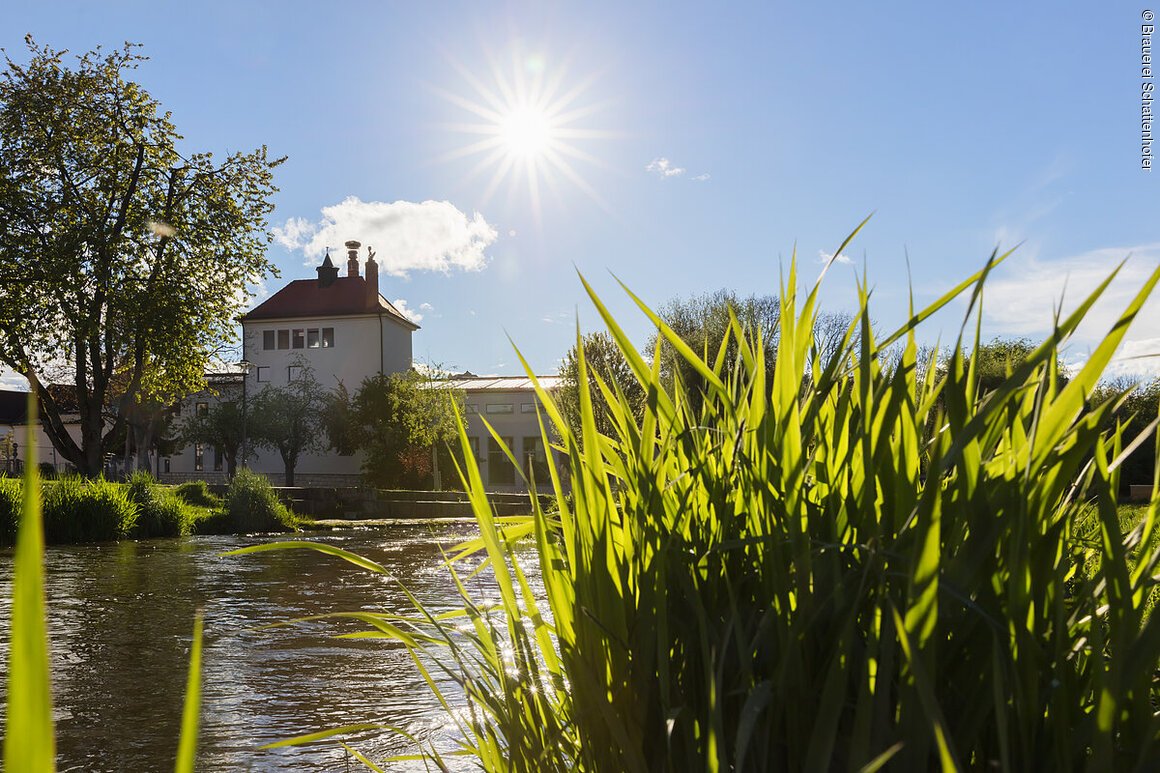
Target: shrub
(252,506)
(196,492)
(836,566)
(47,471)
(93,511)
(10,504)
(161,513)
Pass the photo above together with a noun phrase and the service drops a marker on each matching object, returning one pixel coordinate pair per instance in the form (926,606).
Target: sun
(528,128)
(526,131)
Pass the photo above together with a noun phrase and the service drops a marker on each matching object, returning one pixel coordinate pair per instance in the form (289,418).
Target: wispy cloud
(663,168)
(1021,298)
(826,257)
(406,236)
(702,177)
(415,315)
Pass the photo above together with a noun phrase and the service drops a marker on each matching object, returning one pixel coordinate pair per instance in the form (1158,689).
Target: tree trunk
(289,461)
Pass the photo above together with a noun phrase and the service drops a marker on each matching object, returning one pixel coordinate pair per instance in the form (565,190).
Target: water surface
(120,619)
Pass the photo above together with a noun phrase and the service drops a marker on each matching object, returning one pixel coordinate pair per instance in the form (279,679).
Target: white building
(345,331)
(509,405)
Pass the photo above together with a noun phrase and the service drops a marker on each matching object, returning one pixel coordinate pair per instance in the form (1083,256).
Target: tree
(401,421)
(603,358)
(220,427)
(123,261)
(290,419)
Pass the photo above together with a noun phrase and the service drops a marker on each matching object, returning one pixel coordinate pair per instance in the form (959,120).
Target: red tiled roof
(346,296)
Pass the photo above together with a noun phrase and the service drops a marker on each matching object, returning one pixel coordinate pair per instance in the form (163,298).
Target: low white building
(508,403)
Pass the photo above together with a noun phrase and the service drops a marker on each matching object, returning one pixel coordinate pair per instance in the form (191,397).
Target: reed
(854,562)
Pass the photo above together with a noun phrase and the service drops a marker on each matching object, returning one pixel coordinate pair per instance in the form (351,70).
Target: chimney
(372,280)
(352,258)
(327,272)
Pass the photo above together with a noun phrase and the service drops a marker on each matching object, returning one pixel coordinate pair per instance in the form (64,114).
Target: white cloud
(662,167)
(826,257)
(406,236)
(702,177)
(411,314)
(294,233)
(1021,297)
(426,307)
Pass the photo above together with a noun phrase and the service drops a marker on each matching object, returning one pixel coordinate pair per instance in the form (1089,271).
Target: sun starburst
(528,125)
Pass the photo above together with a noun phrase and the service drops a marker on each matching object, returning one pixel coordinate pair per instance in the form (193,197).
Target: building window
(202,409)
(283,339)
(535,460)
(499,407)
(474,442)
(267,339)
(298,338)
(166,464)
(327,337)
(217,459)
(198,457)
(294,373)
(527,407)
(263,373)
(499,468)
(312,341)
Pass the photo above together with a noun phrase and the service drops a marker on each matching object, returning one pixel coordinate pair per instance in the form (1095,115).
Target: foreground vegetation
(846,566)
(77,510)
(842,565)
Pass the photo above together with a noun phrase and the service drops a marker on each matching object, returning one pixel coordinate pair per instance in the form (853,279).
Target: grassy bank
(76,510)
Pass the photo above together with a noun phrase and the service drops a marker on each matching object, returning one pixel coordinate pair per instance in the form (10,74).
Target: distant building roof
(13,406)
(501,383)
(346,296)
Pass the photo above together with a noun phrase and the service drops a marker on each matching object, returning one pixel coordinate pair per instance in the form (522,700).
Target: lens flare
(528,122)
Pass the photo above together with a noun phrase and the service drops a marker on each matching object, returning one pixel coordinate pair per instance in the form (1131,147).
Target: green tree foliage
(123,260)
(603,360)
(220,427)
(701,321)
(289,419)
(400,420)
(1137,407)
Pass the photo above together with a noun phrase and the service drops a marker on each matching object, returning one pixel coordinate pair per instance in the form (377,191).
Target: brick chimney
(372,279)
(352,258)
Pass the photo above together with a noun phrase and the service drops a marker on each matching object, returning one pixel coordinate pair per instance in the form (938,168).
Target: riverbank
(79,511)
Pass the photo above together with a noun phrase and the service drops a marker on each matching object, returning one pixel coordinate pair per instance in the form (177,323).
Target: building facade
(340,330)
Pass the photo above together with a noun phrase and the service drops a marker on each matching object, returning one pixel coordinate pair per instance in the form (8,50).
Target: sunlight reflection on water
(120,621)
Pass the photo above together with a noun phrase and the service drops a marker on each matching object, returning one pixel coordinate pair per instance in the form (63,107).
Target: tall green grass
(847,565)
(29,734)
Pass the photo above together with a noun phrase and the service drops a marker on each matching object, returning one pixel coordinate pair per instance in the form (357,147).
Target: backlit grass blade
(191,714)
(29,740)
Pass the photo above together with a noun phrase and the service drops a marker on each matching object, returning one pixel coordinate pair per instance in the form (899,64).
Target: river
(120,619)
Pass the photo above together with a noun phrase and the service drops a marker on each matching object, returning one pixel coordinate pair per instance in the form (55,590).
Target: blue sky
(961,127)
